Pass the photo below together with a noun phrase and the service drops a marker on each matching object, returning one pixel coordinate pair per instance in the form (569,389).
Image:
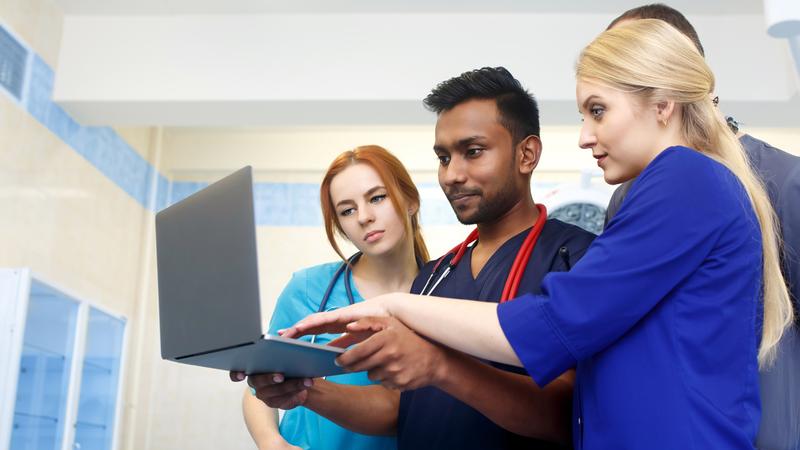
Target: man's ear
(530,150)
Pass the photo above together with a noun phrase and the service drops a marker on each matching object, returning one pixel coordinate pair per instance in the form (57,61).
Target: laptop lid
(208,269)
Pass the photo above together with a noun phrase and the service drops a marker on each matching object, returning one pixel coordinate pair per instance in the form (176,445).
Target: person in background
(779,171)
(666,317)
(367,197)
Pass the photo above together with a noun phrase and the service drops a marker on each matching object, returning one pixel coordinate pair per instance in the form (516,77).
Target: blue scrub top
(431,418)
(301,426)
(662,316)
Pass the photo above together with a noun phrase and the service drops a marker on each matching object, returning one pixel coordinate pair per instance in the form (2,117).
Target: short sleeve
(674,215)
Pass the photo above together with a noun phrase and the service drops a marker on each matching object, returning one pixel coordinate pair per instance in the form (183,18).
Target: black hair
(519,113)
(666,13)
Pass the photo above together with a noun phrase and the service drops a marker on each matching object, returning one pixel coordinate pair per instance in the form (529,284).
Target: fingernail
(336,361)
(240,376)
(278,378)
(307,382)
(280,332)
(253,391)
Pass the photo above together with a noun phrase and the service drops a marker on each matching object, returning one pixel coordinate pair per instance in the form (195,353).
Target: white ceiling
(394,6)
(359,62)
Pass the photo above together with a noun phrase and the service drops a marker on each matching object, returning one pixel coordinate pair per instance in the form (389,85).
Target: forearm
(468,326)
(261,421)
(363,409)
(512,401)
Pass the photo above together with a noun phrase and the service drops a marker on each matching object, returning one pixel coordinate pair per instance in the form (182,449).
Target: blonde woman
(671,310)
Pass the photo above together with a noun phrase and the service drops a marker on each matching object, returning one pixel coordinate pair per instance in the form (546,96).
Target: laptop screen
(208,269)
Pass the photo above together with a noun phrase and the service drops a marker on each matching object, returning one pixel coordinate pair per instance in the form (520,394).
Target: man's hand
(276,391)
(393,355)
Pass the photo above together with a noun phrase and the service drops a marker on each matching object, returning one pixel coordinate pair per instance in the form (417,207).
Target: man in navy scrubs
(487,143)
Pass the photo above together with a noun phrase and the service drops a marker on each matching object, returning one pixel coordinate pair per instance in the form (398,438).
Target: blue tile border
(297,204)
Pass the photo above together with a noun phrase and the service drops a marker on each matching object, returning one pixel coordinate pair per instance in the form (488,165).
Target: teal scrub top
(301,426)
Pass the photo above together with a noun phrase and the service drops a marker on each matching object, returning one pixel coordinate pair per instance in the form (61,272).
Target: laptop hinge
(214,351)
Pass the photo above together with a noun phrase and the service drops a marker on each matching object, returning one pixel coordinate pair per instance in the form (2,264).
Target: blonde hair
(401,189)
(653,61)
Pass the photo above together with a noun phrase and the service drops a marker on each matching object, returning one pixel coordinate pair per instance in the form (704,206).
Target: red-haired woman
(368,198)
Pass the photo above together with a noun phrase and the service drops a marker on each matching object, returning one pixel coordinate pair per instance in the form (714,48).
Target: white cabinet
(60,369)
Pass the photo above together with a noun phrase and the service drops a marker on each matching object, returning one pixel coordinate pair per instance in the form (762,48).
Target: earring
(664,122)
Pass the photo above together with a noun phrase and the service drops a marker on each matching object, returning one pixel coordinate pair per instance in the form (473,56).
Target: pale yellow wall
(71,225)
(303,153)
(142,140)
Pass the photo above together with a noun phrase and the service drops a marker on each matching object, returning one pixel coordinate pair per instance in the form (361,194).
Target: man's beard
(489,208)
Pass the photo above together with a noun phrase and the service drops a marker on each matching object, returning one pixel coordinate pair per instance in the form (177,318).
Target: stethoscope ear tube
(345,268)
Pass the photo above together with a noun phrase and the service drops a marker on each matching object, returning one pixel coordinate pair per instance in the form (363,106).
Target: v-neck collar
(499,253)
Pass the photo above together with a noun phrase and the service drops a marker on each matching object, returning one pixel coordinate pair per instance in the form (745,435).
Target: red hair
(399,187)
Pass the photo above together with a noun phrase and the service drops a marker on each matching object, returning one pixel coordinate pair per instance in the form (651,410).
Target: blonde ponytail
(654,61)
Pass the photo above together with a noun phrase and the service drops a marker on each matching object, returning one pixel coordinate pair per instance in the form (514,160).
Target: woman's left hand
(336,321)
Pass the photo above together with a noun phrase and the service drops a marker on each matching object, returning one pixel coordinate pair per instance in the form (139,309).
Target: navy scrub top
(429,417)
(662,316)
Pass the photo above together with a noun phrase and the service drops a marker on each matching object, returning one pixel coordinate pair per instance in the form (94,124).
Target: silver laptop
(208,288)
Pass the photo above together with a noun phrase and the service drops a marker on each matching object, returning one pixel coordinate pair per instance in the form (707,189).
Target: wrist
(441,371)
(316,393)
(390,304)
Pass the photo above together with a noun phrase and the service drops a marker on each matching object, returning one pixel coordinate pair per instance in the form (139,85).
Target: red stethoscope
(517,269)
